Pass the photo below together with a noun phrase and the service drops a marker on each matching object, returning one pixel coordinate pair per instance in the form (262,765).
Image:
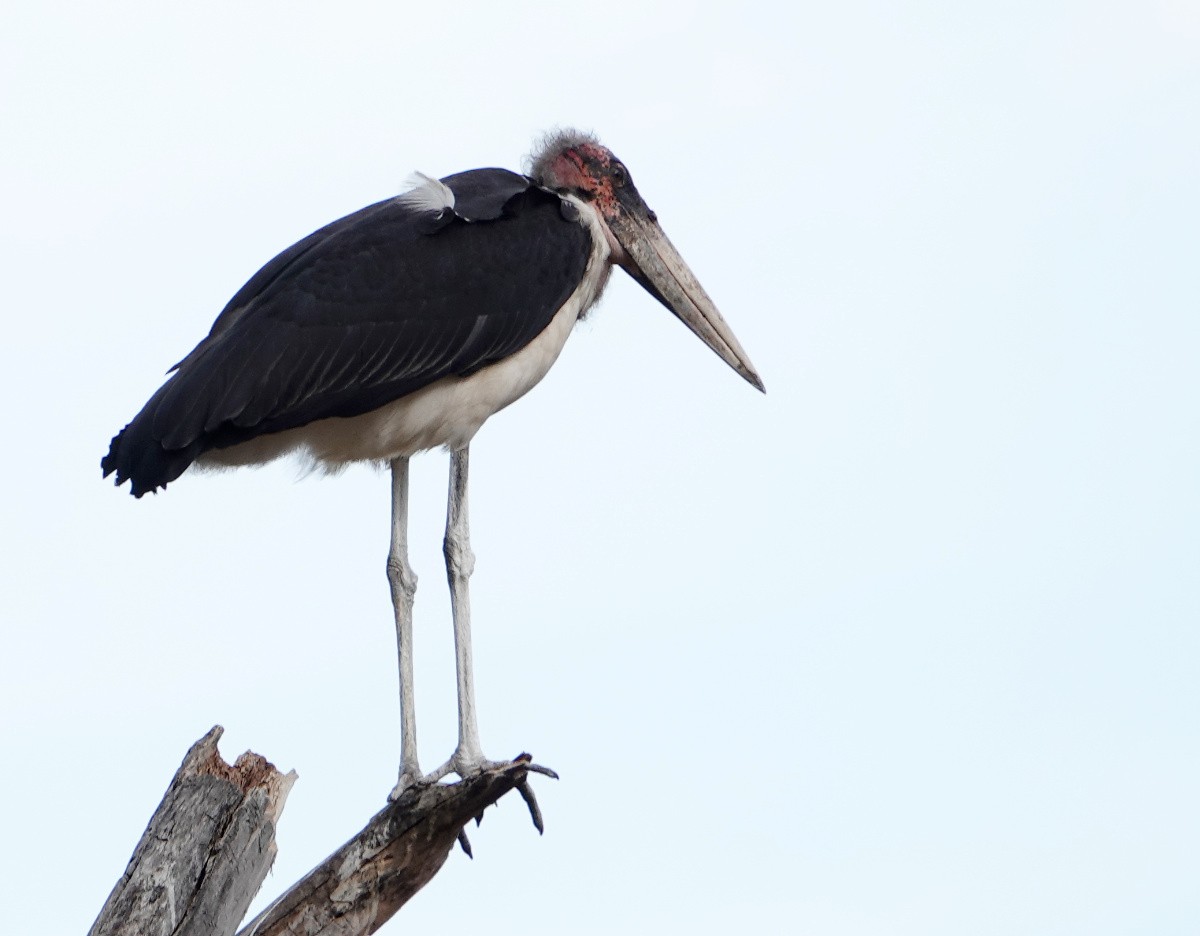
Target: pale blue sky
(907,646)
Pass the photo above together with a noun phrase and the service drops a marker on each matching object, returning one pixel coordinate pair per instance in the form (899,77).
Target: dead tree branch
(212,840)
(359,887)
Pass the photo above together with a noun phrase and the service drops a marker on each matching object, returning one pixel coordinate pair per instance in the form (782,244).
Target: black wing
(360,313)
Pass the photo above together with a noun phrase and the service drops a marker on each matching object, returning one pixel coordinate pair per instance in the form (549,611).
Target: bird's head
(576,163)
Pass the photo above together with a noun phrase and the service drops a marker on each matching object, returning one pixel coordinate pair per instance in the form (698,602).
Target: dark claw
(526,791)
(527,760)
(465,843)
(535,813)
(479,820)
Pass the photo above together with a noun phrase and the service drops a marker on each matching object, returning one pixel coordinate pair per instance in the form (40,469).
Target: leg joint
(460,560)
(401,575)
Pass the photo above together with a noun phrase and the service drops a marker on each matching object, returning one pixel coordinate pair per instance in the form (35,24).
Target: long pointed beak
(654,262)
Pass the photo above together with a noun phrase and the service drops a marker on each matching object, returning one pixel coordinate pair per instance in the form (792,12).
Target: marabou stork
(403,327)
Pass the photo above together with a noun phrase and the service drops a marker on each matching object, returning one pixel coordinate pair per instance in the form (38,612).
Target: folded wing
(360,313)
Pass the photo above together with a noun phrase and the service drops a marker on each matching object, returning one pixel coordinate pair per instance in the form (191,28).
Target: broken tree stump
(206,851)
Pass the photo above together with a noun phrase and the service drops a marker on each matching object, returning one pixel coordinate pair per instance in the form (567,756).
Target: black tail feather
(136,456)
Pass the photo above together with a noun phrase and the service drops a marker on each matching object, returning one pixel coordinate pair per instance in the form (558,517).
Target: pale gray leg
(460,563)
(404,586)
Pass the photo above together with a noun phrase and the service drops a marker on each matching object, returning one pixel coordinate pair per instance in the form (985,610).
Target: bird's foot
(460,764)
(466,766)
(410,778)
(464,763)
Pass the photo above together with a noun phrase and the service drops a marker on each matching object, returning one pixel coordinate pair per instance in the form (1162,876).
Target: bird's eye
(619,175)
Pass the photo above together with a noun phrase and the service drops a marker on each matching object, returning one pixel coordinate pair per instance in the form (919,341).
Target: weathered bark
(359,887)
(212,840)
(206,851)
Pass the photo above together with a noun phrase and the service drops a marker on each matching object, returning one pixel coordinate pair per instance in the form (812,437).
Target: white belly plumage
(448,412)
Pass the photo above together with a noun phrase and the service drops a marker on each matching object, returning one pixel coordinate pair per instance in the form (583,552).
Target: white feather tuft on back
(427,194)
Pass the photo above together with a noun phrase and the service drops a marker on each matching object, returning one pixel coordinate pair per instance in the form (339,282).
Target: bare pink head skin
(576,163)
